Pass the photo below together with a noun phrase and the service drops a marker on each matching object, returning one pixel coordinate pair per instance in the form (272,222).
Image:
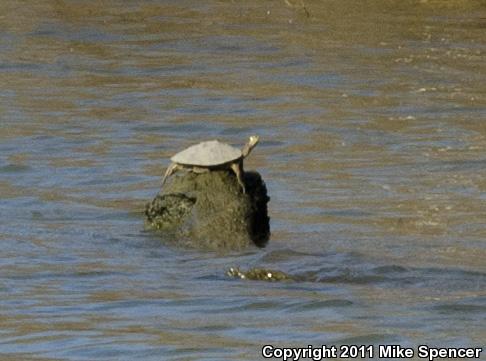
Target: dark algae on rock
(209,211)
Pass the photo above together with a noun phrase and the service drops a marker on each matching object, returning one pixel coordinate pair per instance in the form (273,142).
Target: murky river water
(372,116)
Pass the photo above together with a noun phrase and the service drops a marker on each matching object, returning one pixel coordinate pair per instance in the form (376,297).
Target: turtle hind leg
(173,167)
(238,169)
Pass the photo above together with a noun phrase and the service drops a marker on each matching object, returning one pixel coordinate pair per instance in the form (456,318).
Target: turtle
(212,155)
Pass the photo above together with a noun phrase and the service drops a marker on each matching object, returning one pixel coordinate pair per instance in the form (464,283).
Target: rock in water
(209,211)
(260,274)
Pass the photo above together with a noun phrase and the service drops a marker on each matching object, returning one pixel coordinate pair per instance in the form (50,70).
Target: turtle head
(252,142)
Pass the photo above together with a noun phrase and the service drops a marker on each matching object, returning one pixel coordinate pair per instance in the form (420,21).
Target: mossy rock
(208,210)
(259,274)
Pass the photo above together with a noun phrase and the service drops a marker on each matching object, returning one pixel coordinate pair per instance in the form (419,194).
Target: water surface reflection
(372,117)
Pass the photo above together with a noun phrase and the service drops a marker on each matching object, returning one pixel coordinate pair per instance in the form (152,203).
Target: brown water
(372,116)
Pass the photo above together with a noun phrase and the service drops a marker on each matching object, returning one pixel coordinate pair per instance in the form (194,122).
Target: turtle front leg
(238,169)
(173,167)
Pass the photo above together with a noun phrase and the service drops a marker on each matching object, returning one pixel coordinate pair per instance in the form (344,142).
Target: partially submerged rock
(208,210)
(259,274)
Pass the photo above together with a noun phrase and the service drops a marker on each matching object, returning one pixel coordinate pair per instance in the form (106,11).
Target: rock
(209,211)
(259,274)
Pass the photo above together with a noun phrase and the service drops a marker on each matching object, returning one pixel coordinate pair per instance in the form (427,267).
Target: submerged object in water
(259,274)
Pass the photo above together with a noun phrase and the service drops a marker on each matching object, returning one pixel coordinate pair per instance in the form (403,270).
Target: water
(373,125)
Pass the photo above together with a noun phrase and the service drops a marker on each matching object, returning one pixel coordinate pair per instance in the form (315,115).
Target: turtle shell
(207,154)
